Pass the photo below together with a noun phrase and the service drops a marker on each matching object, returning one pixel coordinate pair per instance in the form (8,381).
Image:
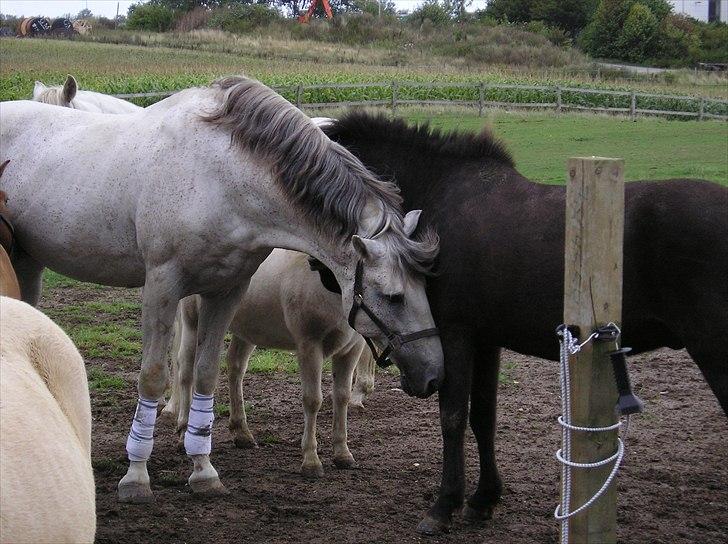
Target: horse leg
(366,368)
(453,398)
(187,317)
(483,397)
(30,276)
(215,314)
(310,362)
(343,369)
(159,303)
(711,356)
(171,407)
(238,356)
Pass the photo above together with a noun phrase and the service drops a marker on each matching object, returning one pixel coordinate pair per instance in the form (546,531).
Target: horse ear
(38,88)
(410,222)
(2,168)
(69,89)
(366,248)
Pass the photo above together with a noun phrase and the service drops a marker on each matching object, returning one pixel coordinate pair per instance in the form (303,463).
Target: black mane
(363,126)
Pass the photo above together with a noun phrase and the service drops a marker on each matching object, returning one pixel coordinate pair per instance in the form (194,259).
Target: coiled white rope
(563,512)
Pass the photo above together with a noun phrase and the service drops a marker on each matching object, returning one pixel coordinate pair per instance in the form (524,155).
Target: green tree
(599,38)
(430,10)
(153,17)
(637,40)
(569,15)
(85,13)
(513,11)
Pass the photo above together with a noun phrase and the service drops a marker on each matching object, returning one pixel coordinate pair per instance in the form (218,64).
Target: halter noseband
(395,340)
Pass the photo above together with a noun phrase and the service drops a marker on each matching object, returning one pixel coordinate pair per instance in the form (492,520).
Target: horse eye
(395,299)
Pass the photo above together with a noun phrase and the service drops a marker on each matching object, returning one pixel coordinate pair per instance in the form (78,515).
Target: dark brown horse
(500,275)
(8,281)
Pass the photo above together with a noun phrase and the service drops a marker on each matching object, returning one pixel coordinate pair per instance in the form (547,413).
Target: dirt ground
(673,487)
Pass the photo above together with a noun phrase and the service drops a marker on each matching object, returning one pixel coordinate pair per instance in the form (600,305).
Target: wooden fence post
(702,109)
(558,99)
(394,98)
(593,298)
(299,95)
(481,98)
(633,106)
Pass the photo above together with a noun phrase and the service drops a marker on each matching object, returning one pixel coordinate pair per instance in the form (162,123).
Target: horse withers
(190,196)
(499,279)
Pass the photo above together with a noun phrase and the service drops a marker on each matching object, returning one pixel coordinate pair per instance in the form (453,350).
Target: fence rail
(395,93)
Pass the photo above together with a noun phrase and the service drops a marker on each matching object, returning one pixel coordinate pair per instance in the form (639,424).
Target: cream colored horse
(69,96)
(47,490)
(286,307)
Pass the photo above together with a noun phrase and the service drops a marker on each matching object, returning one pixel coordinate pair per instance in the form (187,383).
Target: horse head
(57,96)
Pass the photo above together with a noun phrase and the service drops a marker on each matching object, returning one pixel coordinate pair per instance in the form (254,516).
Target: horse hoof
(209,487)
(135,493)
(312,471)
(245,442)
(345,462)
(430,526)
(356,408)
(477,514)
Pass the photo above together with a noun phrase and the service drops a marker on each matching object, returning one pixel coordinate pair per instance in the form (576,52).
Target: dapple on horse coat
(47,492)
(189,196)
(286,307)
(499,279)
(69,96)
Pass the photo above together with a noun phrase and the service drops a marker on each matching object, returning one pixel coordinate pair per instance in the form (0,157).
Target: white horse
(286,307)
(47,492)
(189,196)
(69,96)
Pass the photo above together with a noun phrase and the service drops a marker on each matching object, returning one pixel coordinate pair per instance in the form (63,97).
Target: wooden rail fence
(393,94)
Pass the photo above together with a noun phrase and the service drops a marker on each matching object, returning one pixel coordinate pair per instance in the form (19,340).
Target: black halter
(395,339)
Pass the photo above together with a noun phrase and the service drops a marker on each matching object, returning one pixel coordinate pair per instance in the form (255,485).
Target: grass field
(99,66)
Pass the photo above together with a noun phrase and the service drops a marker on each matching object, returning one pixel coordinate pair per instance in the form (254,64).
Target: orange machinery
(309,12)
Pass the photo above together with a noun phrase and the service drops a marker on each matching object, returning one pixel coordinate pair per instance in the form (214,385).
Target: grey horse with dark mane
(189,196)
(500,275)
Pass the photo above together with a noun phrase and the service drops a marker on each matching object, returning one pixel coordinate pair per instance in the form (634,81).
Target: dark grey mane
(329,184)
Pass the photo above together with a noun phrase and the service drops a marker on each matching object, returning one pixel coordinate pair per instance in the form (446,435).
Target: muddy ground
(673,487)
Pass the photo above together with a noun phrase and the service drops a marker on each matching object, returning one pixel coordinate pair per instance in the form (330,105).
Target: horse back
(676,259)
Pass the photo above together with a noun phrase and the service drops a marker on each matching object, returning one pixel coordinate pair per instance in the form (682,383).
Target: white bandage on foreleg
(141,436)
(198,437)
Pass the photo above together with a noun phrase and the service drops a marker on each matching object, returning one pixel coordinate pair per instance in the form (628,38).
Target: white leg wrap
(141,436)
(198,437)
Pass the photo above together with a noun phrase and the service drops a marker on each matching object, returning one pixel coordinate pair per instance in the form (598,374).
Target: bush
(431,11)
(150,17)
(636,41)
(193,20)
(243,17)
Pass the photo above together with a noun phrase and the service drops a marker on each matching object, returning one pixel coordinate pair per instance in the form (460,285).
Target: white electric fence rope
(570,346)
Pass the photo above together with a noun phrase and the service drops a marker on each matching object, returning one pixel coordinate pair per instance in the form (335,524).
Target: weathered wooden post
(299,95)
(633,106)
(481,98)
(394,98)
(593,298)
(558,99)
(701,115)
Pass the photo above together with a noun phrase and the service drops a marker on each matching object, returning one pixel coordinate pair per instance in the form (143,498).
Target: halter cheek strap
(395,340)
